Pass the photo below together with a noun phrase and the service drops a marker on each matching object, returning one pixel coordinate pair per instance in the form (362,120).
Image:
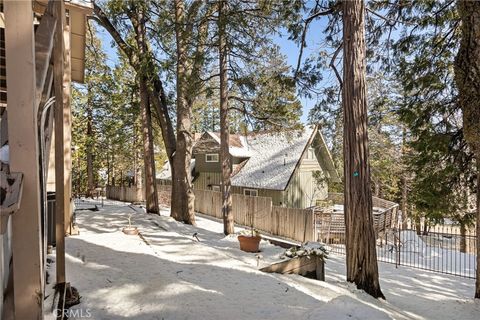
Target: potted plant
(130,230)
(250,239)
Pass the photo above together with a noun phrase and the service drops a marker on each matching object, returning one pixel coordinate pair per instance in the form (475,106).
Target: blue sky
(287,47)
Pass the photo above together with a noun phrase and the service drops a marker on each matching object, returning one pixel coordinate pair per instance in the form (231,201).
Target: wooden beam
(59,143)
(43,50)
(28,279)
(67,126)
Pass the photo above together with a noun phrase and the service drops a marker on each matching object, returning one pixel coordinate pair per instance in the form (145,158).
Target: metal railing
(443,249)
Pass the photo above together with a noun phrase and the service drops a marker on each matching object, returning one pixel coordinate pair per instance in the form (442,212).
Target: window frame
(216,155)
(250,191)
(215,186)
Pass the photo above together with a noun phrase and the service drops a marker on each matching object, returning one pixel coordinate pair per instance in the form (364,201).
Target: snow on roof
(274,157)
(238,144)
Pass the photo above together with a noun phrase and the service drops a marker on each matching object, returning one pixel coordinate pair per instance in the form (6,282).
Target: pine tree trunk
(225,159)
(89,152)
(151,195)
(182,190)
(109,170)
(138,172)
(463,237)
(467,79)
(362,268)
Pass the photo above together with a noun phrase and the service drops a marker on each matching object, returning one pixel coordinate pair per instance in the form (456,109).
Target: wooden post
(67,126)
(60,176)
(24,155)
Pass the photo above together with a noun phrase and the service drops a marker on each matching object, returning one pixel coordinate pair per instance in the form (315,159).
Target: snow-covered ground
(166,273)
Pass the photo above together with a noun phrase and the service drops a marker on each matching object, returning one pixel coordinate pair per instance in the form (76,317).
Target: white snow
(168,274)
(239,152)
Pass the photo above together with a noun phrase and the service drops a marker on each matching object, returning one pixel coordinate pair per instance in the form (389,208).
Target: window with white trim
(250,192)
(216,188)
(211,157)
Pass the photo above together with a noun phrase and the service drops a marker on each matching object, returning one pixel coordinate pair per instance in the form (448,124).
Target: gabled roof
(271,158)
(210,141)
(274,157)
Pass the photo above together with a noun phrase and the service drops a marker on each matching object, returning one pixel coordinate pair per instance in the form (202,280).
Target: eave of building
(78,12)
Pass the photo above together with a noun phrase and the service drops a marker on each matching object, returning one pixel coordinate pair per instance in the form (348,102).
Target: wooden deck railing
(385,213)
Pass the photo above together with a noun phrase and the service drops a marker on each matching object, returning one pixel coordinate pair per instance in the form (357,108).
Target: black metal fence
(442,248)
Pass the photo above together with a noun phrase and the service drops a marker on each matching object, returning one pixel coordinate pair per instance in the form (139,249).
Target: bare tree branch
(304,35)
(332,65)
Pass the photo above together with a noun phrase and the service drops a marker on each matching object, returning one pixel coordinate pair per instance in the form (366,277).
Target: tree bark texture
(362,268)
(226,161)
(151,195)
(155,86)
(467,79)
(182,206)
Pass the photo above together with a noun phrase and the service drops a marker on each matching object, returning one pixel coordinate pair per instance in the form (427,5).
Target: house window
(310,154)
(216,188)
(211,157)
(250,192)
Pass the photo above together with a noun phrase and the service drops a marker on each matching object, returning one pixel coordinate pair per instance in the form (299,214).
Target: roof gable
(274,158)
(210,142)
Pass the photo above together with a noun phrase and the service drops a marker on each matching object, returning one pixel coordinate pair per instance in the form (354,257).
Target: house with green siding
(293,168)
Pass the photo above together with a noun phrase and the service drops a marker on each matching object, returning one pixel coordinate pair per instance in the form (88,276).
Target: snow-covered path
(167,274)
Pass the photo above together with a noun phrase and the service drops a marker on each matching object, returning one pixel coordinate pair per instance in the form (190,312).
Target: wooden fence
(128,194)
(290,223)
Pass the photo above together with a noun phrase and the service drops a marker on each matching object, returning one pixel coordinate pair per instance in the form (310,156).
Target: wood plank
(43,51)
(28,272)
(59,144)
(67,116)
(312,265)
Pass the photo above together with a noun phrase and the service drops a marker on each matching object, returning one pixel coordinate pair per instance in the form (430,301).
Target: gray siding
(301,192)
(202,166)
(204,181)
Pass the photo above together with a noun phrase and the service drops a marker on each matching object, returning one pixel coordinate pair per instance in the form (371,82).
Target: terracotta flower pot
(130,231)
(249,243)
